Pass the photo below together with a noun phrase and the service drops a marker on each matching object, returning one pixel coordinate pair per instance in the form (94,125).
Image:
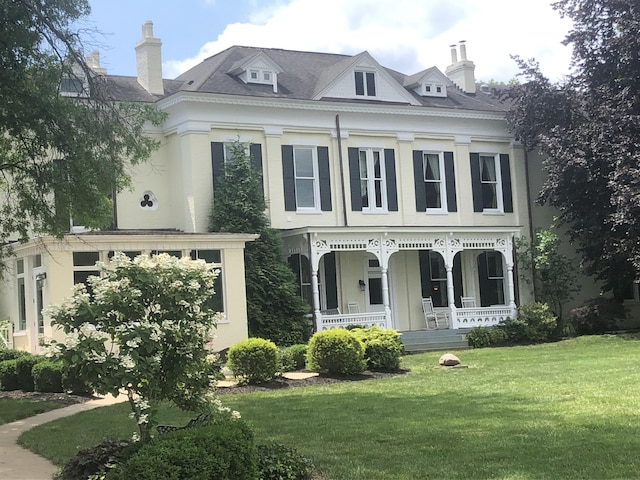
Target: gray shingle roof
(304,75)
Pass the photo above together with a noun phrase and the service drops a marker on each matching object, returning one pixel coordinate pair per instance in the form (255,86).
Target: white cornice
(315,105)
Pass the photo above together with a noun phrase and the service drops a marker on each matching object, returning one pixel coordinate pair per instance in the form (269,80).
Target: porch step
(429,340)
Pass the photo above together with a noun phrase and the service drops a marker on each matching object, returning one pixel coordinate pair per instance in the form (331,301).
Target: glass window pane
(20,266)
(85,259)
(378,185)
(304,193)
(306,269)
(22,305)
(363,164)
(131,255)
(37,261)
(488,169)
(172,253)
(377,167)
(375,291)
(359,83)
(433,195)
(364,189)
(303,162)
(371,84)
(489,195)
(432,167)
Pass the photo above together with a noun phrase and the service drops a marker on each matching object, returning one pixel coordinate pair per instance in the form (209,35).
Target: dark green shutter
(505,173)
(354,179)
(418,179)
(450,179)
(255,151)
(288,179)
(390,169)
(476,183)
(324,178)
(217,161)
(330,282)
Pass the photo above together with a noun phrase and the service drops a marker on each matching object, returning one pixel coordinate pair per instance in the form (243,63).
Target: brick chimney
(149,61)
(93,61)
(462,72)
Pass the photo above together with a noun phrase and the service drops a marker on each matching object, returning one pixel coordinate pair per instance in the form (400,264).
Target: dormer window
(365,83)
(434,90)
(254,75)
(266,76)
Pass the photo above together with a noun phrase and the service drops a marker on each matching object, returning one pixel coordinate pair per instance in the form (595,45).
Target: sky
(405,35)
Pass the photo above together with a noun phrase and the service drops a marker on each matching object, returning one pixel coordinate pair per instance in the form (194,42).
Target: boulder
(449,360)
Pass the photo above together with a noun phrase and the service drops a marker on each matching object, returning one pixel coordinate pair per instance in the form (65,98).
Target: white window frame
(227,152)
(443,209)
(316,179)
(366,93)
(21,324)
(498,182)
(371,181)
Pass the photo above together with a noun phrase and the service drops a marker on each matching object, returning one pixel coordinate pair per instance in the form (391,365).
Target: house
(387,188)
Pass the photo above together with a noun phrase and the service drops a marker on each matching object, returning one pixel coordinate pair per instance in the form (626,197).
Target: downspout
(342,187)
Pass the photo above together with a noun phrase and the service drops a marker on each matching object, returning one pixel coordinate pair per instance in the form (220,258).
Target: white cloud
(406,35)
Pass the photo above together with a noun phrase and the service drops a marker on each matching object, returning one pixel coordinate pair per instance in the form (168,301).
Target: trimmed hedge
(24,367)
(222,449)
(597,316)
(47,376)
(479,337)
(336,351)
(382,348)
(293,357)
(12,354)
(9,376)
(253,359)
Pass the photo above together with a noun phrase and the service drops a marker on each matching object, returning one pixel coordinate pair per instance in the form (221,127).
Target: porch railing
(481,316)
(341,320)
(6,335)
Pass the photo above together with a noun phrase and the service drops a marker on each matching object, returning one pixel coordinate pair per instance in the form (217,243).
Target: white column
(511,286)
(316,295)
(451,296)
(384,277)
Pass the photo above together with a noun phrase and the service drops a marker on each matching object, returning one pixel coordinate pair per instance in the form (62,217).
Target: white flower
(135,437)
(144,418)
(235,415)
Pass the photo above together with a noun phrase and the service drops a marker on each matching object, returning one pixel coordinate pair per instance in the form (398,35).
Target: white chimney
(93,61)
(149,61)
(462,72)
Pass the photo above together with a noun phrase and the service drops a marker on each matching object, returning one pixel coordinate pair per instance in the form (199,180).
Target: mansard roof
(302,76)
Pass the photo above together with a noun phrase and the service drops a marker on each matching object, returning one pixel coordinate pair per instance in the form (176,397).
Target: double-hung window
(491,183)
(435,189)
(307,185)
(22,296)
(372,180)
(365,84)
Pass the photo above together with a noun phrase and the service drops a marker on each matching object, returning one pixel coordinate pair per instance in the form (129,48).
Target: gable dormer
(428,83)
(259,69)
(360,77)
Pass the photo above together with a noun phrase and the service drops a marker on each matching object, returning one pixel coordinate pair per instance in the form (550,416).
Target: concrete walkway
(17,463)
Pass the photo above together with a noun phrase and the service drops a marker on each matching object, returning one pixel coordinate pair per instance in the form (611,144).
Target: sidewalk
(17,463)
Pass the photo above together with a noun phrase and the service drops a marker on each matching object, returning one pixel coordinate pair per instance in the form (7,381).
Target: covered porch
(356,276)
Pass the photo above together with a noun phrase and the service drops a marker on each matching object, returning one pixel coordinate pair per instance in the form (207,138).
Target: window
(266,76)
(491,183)
(306,179)
(253,75)
(491,276)
(84,266)
(365,84)
(490,179)
(372,180)
(231,151)
(435,183)
(22,295)
(302,269)
(435,190)
(216,302)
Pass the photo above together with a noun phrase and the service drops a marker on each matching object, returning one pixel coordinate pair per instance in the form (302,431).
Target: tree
(588,127)
(553,273)
(144,330)
(274,309)
(64,143)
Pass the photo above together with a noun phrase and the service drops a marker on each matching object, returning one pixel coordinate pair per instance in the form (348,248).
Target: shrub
(279,462)
(24,366)
(293,357)
(534,324)
(479,337)
(597,316)
(11,354)
(221,449)
(9,376)
(47,376)
(382,348)
(336,351)
(73,381)
(97,460)
(253,359)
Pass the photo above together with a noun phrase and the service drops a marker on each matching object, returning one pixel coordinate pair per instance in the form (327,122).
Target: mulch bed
(63,398)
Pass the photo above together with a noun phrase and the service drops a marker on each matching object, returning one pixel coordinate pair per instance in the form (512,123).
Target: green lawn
(562,410)
(12,409)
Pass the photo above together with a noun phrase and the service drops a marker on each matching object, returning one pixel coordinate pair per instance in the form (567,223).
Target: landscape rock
(449,360)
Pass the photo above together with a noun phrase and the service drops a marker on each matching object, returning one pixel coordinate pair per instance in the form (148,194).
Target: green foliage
(73,380)
(63,157)
(12,354)
(143,331)
(253,359)
(336,351)
(479,337)
(9,379)
(553,273)
(279,462)
(47,376)
(599,315)
(534,324)
(274,309)
(222,449)
(382,348)
(293,357)
(97,460)
(24,365)
(586,128)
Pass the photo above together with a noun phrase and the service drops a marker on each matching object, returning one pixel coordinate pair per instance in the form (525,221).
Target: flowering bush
(144,329)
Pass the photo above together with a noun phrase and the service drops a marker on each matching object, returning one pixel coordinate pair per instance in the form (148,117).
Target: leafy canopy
(587,127)
(61,155)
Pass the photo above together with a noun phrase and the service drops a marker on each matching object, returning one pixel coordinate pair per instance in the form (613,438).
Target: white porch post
(316,295)
(511,286)
(384,277)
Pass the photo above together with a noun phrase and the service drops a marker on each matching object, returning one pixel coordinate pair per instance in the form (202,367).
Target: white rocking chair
(468,302)
(433,319)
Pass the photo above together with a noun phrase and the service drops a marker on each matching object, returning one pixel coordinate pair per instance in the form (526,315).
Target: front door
(374,286)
